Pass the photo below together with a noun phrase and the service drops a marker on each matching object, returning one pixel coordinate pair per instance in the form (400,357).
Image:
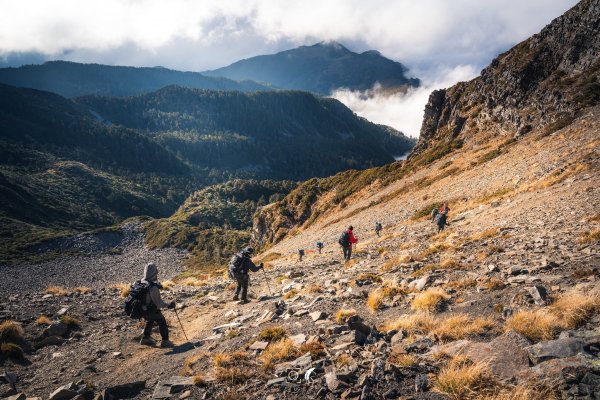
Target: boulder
(259,345)
(317,315)
(559,348)
(65,392)
(56,329)
(539,294)
(124,391)
(167,388)
(299,339)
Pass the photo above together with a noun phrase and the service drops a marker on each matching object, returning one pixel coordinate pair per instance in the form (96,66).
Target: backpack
(345,239)
(235,269)
(434,213)
(135,306)
(378,226)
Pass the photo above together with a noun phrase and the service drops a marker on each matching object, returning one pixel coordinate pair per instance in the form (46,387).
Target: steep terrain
(321,68)
(72,79)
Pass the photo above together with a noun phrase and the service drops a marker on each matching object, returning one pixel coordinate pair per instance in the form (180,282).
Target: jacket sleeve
(251,266)
(156,298)
(352,238)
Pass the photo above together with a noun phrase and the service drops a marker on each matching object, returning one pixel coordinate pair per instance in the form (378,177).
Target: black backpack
(345,239)
(235,268)
(136,299)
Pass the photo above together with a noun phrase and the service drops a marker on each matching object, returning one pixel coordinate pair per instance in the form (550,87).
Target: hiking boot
(166,344)
(236,297)
(244,301)
(147,341)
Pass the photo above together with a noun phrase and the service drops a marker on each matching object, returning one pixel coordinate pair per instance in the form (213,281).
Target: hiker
(441,217)
(346,241)
(239,266)
(378,228)
(153,304)
(444,209)
(434,213)
(300,254)
(319,246)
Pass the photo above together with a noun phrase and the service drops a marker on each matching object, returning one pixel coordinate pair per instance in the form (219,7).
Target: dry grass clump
(521,392)
(280,279)
(589,237)
(462,284)
(379,295)
(190,281)
(581,273)
(71,322)
(574,309)
(233,367)
(494,284)
(403,360)
(314,288)
(167,285)
(434,249)
(43,320)
(482,255)
(272,334)
(82,290)
(191,362)
(594,219)
(12,350)
(535,325)
(283,350)
(486,234)
(343,360)
(56,291)
(123,289)
(343,314)
(453,264)
(198,380)
(430,300)
(367,276)
(391,263)
(420,324)
(461,380)
(460,326)
(291,293)
(315,348)
(11,331)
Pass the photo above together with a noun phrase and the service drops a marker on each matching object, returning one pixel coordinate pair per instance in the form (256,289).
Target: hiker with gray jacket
(153,304)
(239,267)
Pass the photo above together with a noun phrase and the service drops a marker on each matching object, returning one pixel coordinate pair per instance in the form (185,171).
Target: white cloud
(402,111)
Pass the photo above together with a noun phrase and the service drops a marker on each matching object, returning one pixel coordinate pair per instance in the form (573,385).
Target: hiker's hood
(151,272)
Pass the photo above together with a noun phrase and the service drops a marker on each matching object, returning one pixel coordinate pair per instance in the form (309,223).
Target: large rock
(124,391)
(539,294)
(559,348)
(65,392)
(167,388)
(56,329)
(317,315)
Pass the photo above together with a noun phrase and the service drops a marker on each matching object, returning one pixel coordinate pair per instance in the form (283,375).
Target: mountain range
(321,68)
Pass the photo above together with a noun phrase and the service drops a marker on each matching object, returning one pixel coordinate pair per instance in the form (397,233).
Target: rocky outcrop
(544,80)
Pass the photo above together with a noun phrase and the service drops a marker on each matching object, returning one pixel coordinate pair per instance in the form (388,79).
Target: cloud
(417,33)
(402,111)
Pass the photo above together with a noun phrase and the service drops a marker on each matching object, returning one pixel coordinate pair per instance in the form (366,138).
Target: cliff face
(543,80)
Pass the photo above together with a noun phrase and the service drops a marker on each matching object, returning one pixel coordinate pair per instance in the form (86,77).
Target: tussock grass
(11,331)
(272,334)
(379,295)
(589,237)
(290,294)
(198,380)
(190,364)
(430,300)
(434,249)
(494,284)
(403,360)
(56,291)
(315,348)
(343,314)
(460,326)
(418,323)
(167,285)
(70,321)
(314,288)
(486,234)
(343,360)
(123,289)
(283,350)
(12,350)
(594,219)
(191,281)
(391,263)
(232,368)
(82,290)
(367,276)
(535,325)
(521,392)
(482,255)
(43,320)
(462,284)
(462,380)
(574,309)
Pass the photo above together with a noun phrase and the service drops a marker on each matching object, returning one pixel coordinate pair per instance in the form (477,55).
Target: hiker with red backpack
(346,241)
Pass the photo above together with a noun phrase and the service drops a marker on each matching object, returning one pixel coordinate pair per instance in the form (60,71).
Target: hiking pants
(156,316)
(347,252)
(242,285)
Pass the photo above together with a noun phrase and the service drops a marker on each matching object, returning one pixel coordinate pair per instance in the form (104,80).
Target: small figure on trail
(300,254)
(378,228)
(152,305)
(239,266)
(441,218)
(434,213)
(319,246)
(346,241)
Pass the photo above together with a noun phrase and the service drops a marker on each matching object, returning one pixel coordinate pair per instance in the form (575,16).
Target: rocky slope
(543,81)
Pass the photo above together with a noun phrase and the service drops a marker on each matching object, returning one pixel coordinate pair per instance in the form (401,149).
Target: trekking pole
(180,324)
(267,280)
